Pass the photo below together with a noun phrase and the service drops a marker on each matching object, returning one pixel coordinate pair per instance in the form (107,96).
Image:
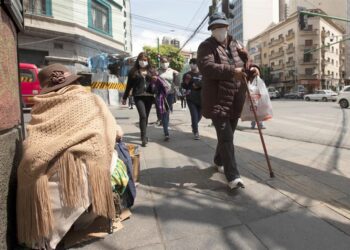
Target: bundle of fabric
(70,129)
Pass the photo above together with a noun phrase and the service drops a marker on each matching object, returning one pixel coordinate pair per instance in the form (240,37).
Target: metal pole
(272,175)
(325,16)
(158,56)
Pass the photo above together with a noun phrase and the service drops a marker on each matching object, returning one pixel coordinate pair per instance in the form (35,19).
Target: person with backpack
(192,85)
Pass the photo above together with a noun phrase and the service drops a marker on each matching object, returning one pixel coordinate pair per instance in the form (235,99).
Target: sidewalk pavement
(184,203)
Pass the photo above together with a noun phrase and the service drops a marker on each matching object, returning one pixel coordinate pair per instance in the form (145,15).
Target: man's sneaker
(196,136)
(167,138)
(220,169)
(236,183)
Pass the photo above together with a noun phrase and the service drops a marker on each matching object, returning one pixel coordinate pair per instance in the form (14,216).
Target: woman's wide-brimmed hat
(217,18)
(55,77)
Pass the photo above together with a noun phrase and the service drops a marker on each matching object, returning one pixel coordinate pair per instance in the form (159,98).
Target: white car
(344,97)
(273,93)
(322,95)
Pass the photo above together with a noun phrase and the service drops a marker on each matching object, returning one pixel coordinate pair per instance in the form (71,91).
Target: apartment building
(337,8)
(69,32)
(289,56)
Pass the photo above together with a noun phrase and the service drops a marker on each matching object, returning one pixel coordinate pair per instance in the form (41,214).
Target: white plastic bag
(261,102)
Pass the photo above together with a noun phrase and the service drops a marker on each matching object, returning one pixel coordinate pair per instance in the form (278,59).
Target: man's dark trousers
(225,151)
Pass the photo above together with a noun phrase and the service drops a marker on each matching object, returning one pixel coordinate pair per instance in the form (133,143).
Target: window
(309,27)
(265,55)
(309,71)
(336,63)
(27,75)
(337,51)
(332,49)
(332,61)
(100,16)
(58,45)
(38,7)
(308,42)
(307,57)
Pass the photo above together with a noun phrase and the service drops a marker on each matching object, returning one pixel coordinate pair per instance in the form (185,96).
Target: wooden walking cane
(272,175)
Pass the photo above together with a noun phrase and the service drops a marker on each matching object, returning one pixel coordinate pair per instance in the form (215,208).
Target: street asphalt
(184,203)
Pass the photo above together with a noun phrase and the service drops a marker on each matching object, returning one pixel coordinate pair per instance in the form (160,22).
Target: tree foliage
(176,60)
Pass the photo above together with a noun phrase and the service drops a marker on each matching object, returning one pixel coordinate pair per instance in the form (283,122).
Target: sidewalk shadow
(248,161)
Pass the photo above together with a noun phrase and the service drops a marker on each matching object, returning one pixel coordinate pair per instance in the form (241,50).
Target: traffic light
(231,7)
(228,8)
(302,19)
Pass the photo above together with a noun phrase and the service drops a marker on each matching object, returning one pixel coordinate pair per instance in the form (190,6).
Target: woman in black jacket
(139,81)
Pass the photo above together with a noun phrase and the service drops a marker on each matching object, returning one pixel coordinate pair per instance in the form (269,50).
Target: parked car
(322,95)
(273,93)
(344,97)
(30,85)
(294,95)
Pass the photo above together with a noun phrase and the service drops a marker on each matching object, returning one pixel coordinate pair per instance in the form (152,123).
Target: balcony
(276,42)
(311,32)
(311,62)
(290,64)
(325,63)
(309,47)
(290,35)
(325,49)
(290,50)
(276,55)
(289,77)
(277,67)
(307,77)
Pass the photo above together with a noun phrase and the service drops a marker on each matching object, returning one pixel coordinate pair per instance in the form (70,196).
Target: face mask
(143,63)
(165,65)
(193,66)
(219,34)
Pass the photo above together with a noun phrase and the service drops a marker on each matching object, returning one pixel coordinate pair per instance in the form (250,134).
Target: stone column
(10,129)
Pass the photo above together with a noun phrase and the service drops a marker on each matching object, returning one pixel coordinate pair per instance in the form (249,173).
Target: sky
(152,19)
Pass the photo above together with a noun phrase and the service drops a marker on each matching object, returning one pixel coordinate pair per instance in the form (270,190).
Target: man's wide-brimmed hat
(55,77)
(218,18)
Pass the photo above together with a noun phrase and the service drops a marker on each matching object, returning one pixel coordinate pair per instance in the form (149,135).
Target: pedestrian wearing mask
(171,78)
(192,85)
(139,81)
(221,62)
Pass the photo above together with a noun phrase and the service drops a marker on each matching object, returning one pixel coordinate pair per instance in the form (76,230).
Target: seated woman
(66,160)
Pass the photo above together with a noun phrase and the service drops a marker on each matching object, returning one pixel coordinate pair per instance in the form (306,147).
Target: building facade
(290,57)
(69,32)
(244,24)
(337,8)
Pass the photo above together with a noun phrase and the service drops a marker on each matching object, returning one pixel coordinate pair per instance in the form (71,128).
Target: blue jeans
(170,99)
(196,115)
(165,121)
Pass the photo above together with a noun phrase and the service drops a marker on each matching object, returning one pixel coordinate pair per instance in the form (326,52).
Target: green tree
(176,60)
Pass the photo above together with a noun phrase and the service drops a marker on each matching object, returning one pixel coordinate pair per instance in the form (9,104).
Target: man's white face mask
(165,65)
(219,34)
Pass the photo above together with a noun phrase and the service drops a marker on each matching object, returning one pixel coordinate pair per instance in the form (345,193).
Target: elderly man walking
(221,60)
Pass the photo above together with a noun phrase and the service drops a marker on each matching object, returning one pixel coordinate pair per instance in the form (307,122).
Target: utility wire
(200,26)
